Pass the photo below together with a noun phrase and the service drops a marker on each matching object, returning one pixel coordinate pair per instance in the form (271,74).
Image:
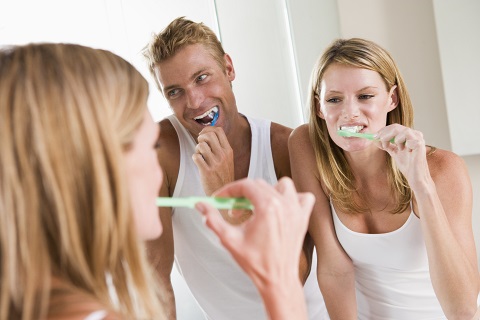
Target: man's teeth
(210,113)
(354,129)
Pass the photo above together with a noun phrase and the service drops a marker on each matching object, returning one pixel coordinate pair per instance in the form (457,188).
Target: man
(205,144)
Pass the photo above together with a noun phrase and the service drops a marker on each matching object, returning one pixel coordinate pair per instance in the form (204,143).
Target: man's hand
(214,159)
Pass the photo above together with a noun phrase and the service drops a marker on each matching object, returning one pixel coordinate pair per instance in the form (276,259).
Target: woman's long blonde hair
(332,165)
(67,115)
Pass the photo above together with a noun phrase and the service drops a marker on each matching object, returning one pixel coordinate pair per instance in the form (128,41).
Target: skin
(285,213)
(354,96)
(145,178)
(193,83)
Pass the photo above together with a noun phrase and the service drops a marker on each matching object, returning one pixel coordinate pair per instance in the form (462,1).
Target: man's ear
(229,69)
(393,98)
(317,106)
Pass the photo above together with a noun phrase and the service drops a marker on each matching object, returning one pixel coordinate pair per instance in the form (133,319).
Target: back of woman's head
(67,113)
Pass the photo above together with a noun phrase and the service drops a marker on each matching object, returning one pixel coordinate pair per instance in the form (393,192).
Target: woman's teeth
(355,129)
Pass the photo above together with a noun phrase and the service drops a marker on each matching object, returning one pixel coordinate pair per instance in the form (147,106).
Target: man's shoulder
(169,147)
(279,132)
(279,142)
(168,134)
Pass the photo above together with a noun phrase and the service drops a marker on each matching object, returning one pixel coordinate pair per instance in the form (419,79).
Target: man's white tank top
(219,285)
(391,272)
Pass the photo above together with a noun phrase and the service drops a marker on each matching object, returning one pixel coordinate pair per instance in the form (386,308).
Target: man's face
(197,88)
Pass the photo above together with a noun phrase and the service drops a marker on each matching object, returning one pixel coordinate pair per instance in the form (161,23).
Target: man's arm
(279,141)
(279,135)
(161,250)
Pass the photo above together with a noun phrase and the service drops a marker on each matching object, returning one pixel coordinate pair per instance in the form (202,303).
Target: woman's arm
(443,201)
(335,270)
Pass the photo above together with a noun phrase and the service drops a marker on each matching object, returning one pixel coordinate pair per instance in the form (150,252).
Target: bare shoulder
(279,142)
(279,133)
(444,164)
(168,138)
(450,174)
(299,138)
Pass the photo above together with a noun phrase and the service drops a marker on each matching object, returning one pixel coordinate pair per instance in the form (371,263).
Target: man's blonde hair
(178,34)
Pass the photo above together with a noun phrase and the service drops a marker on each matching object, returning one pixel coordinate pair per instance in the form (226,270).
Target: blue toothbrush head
(215,118)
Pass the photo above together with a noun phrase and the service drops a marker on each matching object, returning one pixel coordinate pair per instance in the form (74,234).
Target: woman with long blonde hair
(392,224)
(70,245)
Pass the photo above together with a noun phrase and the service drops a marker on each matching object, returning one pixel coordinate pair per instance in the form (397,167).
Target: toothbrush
(216,202)
(369,136)
(347,133)
(215,118)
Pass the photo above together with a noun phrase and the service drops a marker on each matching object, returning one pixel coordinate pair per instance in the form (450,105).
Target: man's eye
(173,92)
(157,145)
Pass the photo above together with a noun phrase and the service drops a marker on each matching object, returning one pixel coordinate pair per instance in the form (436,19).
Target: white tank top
(219,285)
(391,272)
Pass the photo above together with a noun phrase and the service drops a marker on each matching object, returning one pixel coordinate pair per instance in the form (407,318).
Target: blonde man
(207,143)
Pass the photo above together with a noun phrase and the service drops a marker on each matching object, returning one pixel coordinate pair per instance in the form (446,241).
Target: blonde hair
(332,165)
(177,35)
(68,114)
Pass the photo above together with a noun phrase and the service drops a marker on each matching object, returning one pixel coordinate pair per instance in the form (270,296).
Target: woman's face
(145,178)
(354,99)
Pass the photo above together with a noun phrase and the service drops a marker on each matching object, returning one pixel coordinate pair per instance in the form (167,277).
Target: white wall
(460,76)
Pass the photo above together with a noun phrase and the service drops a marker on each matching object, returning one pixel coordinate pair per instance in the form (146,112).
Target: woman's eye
(333,100)
(366,96)
(201,77)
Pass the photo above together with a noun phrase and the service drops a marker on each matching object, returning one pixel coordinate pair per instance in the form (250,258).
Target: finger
(256,191)
(215,136)
(412,144)
(203,148)
(199,161)
(307,201)
(227,234)
(286,186)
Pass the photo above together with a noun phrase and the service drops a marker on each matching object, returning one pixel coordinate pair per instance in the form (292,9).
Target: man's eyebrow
(199,72)
(192,77)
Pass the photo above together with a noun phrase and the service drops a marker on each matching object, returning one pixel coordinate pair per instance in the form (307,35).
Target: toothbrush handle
(216,202)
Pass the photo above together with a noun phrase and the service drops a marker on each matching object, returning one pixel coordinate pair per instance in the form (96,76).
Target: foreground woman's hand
(268,245)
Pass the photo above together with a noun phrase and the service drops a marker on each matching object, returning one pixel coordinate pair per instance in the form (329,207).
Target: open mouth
(208,118)
(354,129)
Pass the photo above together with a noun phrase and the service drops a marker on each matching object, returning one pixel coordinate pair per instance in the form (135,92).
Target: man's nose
(194,98)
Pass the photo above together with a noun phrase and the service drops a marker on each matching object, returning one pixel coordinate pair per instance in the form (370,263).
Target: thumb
(214,220)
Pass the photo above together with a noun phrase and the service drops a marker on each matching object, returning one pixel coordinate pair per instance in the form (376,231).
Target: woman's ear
(393,98)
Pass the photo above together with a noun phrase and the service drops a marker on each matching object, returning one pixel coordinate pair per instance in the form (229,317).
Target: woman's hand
(268,245)
(409,152)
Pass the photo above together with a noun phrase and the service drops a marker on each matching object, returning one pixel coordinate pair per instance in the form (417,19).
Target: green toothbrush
(347,133)
(216,202)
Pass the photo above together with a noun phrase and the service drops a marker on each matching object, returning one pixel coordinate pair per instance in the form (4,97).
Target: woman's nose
(350,109)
